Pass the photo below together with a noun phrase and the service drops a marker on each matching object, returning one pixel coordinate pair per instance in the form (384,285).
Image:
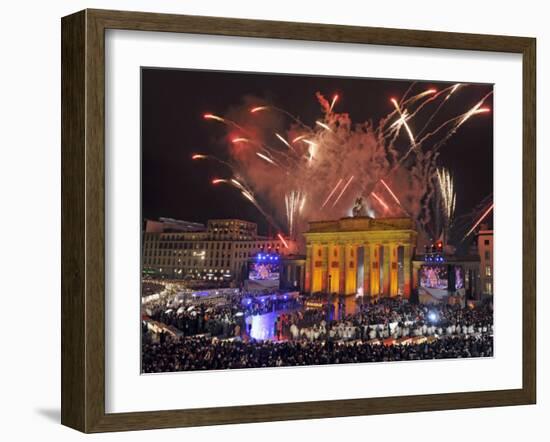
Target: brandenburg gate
(360,254)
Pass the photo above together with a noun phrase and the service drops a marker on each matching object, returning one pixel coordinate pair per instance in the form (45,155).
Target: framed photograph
(266,221)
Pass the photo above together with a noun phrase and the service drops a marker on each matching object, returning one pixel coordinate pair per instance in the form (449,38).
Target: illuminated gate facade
(360,254)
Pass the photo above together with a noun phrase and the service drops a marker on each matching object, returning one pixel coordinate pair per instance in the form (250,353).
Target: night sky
(173,128)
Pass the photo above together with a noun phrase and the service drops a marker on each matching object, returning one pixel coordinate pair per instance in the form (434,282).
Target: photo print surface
(295,220)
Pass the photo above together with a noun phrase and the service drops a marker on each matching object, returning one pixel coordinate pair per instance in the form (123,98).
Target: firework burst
(445,202)
(294,202)
(278,162)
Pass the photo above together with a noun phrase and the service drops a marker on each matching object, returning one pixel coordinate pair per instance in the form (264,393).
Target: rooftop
(173,225)
(360,223)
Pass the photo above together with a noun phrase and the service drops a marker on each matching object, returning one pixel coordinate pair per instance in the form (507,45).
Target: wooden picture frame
(83,220)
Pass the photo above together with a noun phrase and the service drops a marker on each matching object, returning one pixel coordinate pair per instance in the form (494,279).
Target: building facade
(485,250)
(216,252)
(293,273)
(360,255)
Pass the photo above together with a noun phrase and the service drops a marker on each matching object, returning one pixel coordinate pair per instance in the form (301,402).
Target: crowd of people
(216,336)
(390,318)
(187,354)
(222,321)
(150,288)
(261,304)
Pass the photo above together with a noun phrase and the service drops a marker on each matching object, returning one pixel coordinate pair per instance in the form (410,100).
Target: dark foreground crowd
(202,353)
(216,337)
(223,320)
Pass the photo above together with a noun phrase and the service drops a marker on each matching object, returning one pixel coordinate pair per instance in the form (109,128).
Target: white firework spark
(334,160)
(294,202)
(446,200)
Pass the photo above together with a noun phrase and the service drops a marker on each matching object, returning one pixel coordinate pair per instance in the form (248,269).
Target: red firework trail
(342,192)
(332,192)
(380,200)
(282,239)
(479,220)
(390,192)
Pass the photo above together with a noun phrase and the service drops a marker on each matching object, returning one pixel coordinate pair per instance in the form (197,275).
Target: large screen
(263,271)
(434,277)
